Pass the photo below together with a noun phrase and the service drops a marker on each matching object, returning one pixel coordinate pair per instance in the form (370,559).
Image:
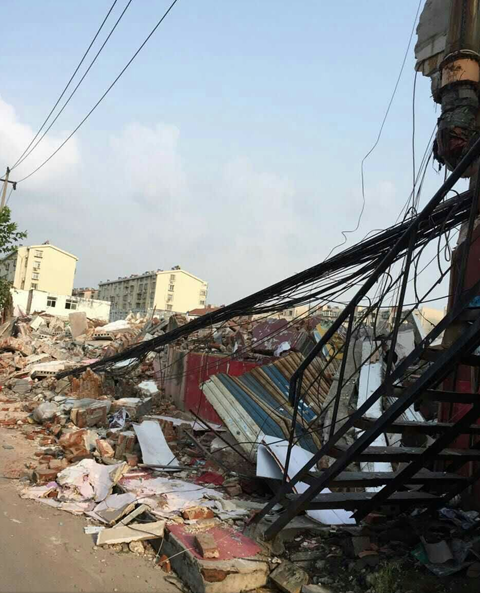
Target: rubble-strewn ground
(45,550)
(162,494)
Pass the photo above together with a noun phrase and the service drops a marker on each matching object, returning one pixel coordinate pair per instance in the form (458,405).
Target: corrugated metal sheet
(262,395)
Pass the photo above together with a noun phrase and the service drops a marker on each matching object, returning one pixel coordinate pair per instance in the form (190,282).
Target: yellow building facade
(40,267)
(173,290)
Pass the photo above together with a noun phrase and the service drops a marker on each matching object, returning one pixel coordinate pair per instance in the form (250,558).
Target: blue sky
(232,145)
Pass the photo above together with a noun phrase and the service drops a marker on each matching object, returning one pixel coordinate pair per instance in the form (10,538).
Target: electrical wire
(104,95)
(19,162)
(346,232)
(67,85)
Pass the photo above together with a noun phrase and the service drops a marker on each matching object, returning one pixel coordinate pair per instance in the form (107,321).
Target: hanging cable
(77,86)
(67,85)
(104,95)
(347,232)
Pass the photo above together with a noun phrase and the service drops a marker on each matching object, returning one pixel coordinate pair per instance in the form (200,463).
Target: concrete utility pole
(4,189)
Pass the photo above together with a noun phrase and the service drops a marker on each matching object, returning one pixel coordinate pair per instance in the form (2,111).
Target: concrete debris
(45,412)
(78,324)
(126,534)
(90,412)
(192,455)
(289,577)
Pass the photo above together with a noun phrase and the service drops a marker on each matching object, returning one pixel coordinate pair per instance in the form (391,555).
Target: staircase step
(353,500)
(444,396)
(430,428)
(432,355)
(367,479)
(400,454)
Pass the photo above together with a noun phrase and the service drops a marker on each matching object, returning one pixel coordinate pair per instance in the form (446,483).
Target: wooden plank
(139,532)
(352,500)
(405,453)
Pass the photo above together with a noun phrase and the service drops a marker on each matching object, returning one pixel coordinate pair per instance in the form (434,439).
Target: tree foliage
(9,239)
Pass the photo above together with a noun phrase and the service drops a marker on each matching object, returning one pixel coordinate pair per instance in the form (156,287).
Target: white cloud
(15,137)
(137,204)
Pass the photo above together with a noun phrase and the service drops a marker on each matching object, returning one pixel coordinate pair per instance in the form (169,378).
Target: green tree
(9,239)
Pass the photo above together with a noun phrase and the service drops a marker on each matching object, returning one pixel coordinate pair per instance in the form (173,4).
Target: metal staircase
(412,484)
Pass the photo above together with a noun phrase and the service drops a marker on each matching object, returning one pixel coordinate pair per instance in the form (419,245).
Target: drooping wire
(67,85)
(347,232)
(77,86)
(105,93)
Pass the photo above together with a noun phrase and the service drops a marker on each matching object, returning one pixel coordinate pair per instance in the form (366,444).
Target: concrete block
(135,406)
(90,412)
(289,578)
(78,323)
(241,565)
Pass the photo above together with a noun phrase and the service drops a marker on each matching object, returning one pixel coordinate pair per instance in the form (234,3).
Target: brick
(73,444)
(197,512)
(89,412)
(125,444)
(207,545)
(235,490)
(43,476)
(132,459)
(104,448)
(44,441)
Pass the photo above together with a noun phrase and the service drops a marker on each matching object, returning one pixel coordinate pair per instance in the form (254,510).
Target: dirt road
(43,550)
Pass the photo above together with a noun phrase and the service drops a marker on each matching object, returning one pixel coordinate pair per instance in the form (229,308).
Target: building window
(202,293)
(169,307)
(38,254)
(36,265)
(35,276)
(172,277)
(51,301)
(170,298)
(202,302)
(70,304)
(171,287)
(34,286)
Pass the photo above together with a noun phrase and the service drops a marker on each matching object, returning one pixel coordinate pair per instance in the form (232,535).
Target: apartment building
(173,290)
(85,293)
(40,267)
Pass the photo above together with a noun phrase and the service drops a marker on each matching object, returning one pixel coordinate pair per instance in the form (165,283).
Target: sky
(231,146)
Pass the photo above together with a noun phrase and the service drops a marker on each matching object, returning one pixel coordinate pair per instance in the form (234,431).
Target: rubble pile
(159,468)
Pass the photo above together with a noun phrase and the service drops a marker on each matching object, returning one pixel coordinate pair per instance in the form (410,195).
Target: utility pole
(4,190)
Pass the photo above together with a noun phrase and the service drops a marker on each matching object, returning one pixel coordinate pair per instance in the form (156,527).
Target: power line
(346,232)
(78,84)
(104,95)
(67,85)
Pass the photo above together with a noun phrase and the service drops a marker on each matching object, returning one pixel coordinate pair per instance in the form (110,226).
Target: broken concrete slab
(126,534)
(78,323)
(135,513)
(135,406)
(289,578)
(315,589)
(241,565)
